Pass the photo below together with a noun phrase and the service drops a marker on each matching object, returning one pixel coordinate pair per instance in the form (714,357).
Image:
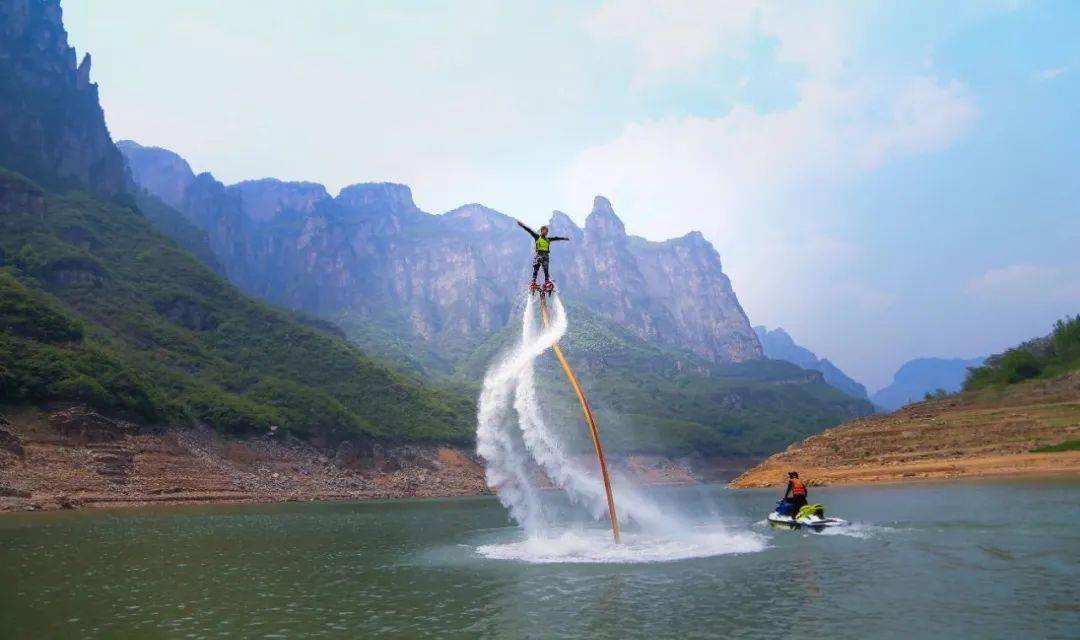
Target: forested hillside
(98,307)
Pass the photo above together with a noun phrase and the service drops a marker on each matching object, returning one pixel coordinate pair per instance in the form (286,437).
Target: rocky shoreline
(77,458)
(1032,465)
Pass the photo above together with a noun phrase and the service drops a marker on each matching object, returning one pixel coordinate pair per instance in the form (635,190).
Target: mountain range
(648,315)
(370,254)
(778,344)
(137,288)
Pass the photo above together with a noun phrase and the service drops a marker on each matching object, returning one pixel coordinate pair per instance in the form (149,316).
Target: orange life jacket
(797,487)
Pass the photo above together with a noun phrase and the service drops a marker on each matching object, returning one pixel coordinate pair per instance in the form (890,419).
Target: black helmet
(793,474)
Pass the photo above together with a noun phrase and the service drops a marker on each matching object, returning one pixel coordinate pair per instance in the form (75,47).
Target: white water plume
(514,439)
(497,440)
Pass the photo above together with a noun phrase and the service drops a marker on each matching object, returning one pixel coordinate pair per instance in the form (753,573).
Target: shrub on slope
(1049,357)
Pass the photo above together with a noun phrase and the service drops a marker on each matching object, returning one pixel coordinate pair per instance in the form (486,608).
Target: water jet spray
(590,420)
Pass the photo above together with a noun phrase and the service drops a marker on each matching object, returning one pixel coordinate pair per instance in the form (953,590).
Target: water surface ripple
(968,560)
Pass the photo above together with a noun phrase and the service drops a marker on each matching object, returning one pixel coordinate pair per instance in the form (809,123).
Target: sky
(885,180)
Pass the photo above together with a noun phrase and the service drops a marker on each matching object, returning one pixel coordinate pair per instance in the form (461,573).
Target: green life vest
(543,244)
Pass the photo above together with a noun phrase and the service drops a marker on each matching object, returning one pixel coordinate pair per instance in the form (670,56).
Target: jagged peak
(82,74)
(265,198)
(479,217)
(602,220)
(562,225)
(693,239)
(130,148)
(475,209)
(778,333)
(69,140)
(600,203)
(377,195)
(205,177)
(302,185)
(162,172)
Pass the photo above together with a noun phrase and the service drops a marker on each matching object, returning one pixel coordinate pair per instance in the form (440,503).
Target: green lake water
(962,560)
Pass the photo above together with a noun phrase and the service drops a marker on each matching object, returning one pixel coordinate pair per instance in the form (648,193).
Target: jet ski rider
(796,493)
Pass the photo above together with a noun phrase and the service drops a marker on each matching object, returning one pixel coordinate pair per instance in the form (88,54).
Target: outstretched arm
(557,238)
(532,233)
(788,492)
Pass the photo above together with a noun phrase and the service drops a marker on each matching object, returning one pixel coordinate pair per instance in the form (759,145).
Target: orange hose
(593,431)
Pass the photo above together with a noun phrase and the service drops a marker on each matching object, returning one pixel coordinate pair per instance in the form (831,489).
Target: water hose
(593,431)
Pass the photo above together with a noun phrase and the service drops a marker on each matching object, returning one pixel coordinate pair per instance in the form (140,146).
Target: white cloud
(926,116)
(1049,74)
(746,165)
(842,125)
(819,37)
(768,187)
(1026,283)
(677,34)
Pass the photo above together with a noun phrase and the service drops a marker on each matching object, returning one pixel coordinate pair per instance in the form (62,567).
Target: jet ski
(811,516)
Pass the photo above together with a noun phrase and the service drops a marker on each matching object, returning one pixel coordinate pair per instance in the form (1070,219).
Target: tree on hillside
(1047,357)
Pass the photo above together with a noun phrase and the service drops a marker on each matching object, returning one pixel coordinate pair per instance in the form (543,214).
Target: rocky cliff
(52,128)
(370,254)
(779,345)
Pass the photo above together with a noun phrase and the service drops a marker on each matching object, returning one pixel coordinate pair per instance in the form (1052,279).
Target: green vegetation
(1068,445)
(173,224)
(1049,357)
(936,394)
(649,399)
(752,409)
(97,307)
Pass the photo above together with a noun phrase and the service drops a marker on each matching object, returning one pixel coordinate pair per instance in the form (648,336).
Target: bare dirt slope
(76,458)
(988,433)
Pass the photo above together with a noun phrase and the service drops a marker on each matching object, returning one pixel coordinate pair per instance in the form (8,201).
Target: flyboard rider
(542,242)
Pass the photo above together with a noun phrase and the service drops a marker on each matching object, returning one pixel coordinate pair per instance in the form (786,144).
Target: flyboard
(545,290)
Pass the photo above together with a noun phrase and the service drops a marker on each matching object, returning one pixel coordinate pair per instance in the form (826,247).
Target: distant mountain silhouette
(779,345)
(915,378)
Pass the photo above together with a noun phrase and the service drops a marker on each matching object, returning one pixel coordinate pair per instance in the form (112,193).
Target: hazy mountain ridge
(103,312)
(370,253)
(917,377)
(439,294)
(779,345)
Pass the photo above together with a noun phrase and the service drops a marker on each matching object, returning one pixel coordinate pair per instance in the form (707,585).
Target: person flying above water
(796,493)
(543,249)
